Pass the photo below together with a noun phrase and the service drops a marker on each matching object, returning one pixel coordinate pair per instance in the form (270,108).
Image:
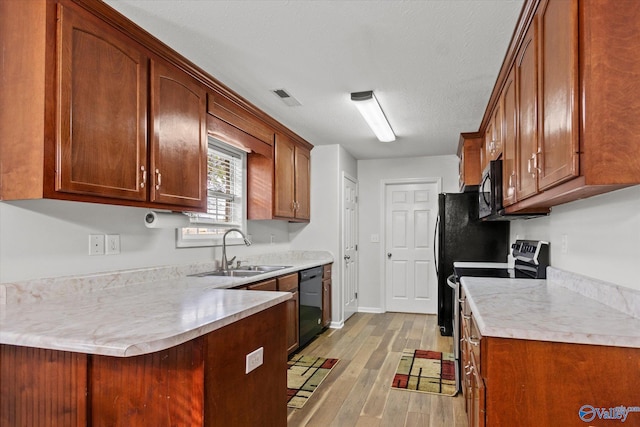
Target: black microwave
(490,206)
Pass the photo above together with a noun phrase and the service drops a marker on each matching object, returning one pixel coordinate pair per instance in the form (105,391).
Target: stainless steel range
(531,262)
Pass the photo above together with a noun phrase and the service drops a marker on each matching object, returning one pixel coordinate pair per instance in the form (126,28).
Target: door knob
(389,255)
(347,257)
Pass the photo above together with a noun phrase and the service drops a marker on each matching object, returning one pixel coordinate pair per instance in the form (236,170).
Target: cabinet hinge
(356,295)
(356,247)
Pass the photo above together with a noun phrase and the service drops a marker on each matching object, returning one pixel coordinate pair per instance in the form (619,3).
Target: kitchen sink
(243,271)
(263,268)
(229,273)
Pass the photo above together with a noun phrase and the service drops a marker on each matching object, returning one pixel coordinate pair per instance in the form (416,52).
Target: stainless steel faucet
(225,263)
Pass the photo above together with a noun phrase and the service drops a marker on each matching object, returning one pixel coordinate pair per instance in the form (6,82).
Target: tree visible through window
(225,197)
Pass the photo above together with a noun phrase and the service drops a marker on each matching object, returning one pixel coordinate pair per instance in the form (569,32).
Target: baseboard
(376,310)
(337,325)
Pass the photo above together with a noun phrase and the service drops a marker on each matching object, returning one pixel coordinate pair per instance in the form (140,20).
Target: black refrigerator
(462,237)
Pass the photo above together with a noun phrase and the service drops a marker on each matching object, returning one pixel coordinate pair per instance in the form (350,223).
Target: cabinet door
(509,141)
(102,109)
(265,285)
(527,147)
(293,326)
(284,188)
(179,150)
(488,141)
(478,397)
(470,160)
(302,183)
(496,148)
(558,92)
(326,303)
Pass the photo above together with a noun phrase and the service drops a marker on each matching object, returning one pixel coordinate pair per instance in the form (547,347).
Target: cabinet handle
(158,179)
(473,342)
(512,186)
(468,368)
(144,177)
(466,316)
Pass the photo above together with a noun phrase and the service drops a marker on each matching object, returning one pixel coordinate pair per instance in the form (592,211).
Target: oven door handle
(451,281)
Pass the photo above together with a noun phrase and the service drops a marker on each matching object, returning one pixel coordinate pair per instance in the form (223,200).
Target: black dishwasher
(310,288)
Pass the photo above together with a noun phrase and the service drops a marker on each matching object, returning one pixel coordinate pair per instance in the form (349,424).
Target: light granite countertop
(550,310)
(136,312)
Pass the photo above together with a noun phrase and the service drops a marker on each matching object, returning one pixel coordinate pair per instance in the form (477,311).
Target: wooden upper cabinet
(486,143)
(291,179)
(95,109)
(178,174)
(492,145)
(527,95)
(495,149)
(220,106)
(469,149)
(285,175)
(509,141)
(102,111)
(558,92)
(303,182)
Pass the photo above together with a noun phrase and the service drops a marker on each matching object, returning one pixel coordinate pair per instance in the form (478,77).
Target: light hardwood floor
(358,393)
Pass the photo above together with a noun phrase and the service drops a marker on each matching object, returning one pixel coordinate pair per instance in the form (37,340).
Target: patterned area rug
(304,375)
(426,371)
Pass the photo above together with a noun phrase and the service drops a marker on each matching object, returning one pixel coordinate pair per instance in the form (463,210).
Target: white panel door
(411,283)
(349,246)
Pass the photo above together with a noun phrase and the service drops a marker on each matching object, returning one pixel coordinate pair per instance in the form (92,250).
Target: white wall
(328,162)
(370,175)
(603,235)
(49,238)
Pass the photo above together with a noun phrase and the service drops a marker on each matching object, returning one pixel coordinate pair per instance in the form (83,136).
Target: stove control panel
(531,251)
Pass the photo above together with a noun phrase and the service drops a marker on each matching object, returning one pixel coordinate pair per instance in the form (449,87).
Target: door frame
(384,183)
(342,300)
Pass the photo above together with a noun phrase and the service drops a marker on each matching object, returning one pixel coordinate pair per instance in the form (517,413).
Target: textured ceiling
(432,64)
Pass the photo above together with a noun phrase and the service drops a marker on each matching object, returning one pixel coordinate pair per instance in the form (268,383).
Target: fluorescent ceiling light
(370,109)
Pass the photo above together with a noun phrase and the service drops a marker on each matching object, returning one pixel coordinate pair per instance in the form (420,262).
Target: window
(226,198)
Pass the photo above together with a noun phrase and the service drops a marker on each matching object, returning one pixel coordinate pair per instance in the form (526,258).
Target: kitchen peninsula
(104,350)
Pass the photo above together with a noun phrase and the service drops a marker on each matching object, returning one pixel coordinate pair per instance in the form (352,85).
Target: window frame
(216,240)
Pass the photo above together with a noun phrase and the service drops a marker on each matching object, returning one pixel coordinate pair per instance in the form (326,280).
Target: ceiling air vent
(286,98)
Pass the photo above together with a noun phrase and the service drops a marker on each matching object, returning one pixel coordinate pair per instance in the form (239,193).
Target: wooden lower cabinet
(41,387)
(326,295)
(265,285)
(199,383)
(258,398)
(289,283)
(546,384)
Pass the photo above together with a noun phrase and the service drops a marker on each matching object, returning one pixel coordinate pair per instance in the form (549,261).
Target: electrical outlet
(564,244)
(96,244)
(113,244)
(254,359)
